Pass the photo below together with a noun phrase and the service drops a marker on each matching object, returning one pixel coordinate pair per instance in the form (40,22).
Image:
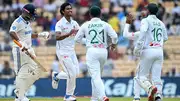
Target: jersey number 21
(94,33)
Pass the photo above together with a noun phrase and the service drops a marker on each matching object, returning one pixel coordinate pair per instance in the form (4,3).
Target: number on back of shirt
(95,36)
(157,34)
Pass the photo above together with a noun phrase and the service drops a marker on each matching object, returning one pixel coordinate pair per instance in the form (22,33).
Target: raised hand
(129,18)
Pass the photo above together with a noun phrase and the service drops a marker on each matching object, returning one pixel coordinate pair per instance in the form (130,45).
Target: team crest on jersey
(64,28)
(14,27)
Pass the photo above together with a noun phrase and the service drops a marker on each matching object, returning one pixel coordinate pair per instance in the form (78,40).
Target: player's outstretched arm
(80,35)
(44,34)
(130,35)
(126,33)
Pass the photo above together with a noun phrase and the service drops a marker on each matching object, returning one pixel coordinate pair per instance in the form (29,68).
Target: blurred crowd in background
(113,11)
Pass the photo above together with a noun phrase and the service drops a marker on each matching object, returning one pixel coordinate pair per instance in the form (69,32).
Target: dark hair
(63,6)
(95,11)
(153,8)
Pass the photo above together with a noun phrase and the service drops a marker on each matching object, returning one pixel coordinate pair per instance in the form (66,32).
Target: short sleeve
(58,27)
(15,27)
(77,25)
(111,31)
(144,25)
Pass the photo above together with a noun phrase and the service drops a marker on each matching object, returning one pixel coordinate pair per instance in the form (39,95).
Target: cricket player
(133,36)
(96,32)
(27,71)
(66,28)
(149,48)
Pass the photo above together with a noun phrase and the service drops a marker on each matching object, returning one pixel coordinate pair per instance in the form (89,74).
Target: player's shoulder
(60,22)
(18,20)
(85,24)
(144,19)
(161,22)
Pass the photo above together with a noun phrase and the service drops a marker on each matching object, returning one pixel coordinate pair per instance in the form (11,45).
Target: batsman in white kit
(149,48)
(27,71)
(96,32)
(66,28)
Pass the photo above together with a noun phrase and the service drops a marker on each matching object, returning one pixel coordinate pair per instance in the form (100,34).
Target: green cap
(95,11)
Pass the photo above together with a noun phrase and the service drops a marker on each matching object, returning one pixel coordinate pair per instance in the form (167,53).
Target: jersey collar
(152,16)
(95,19)
(65,20)
(27,22)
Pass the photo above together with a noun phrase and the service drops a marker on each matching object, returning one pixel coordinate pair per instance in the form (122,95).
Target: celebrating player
(96,32)
(66,28)
(27,71)
(149,48)
(133,36)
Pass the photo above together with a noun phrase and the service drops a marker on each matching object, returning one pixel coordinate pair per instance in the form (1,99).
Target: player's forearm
(34,36)
(14,36)
(126,33)
(60,36)
(129,35)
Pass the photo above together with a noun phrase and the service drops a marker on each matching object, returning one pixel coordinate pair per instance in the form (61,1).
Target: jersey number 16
(157,34)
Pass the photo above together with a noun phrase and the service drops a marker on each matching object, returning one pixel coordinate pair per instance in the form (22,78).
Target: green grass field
(88,99)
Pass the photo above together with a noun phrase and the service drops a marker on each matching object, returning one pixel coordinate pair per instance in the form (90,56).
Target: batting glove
(45,35)
(24,46)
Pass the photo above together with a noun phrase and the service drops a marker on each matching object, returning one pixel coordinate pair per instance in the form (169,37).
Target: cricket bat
(31,56)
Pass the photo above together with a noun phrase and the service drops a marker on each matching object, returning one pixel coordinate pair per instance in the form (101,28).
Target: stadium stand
(123,66)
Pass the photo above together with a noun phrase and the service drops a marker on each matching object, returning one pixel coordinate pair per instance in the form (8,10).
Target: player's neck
(68,18)
(25,19)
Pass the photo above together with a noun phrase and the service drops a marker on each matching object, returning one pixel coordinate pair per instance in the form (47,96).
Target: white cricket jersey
(152,32)
(96,32)
(130,35)
(23,30)
(64,27)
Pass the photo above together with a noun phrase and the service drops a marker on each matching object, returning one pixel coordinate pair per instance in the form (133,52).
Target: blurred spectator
(49,6)
(82,65)
(5,46)
(55,65)
(176,19)
(17,5)
(7,19)
(114,22)
(161,11)
(108,68)
(35,42)
(7,71)
(137,23)
(174,73)
(176,8)
(142,4)
(39,3)
(123,43)
(167,19)
(1,68)
(166,56)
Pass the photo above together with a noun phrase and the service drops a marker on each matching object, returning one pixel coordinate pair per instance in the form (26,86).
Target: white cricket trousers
(27,71)
(96,58)
(151,62)
(69,62)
